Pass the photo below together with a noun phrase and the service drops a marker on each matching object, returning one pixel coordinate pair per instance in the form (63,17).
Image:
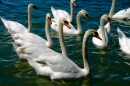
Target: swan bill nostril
(74,3)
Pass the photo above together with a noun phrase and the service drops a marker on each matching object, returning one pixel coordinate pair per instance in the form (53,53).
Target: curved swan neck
(102,30)
(29,19)
(85,51)
(79,28)
(61,39)
(71,12)
(47,32)
(112,8)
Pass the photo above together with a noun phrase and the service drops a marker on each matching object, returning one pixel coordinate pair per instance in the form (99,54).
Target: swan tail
(53,10)
(5,23)
(120,33)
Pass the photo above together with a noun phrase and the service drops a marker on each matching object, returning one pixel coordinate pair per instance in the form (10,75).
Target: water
(110,66)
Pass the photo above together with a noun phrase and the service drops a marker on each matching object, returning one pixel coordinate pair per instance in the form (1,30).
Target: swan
(102,33)
(63,14)
(71,31)
(107,26)
(34,46)
(30,37)
(122,14)
(123,41)
(17,27)
(58,66)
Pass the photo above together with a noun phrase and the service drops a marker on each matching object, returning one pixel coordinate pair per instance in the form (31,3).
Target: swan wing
(30,37)
(56,61)
(123,41)
(122,14)
(14,26)
(60,14)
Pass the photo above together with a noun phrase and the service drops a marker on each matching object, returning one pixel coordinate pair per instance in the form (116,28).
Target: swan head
(84,13)
(65,22)
(94,33)
(48,17)
(1,2)
(32,6)
(107,18)
(73,2)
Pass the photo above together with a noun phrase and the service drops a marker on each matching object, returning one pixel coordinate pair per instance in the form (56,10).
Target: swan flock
(37,50)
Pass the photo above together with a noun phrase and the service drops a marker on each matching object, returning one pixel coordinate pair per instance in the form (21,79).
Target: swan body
(122,14)
(124,42)
(103,33)
(59,14)
(58,66)
(17,27)
(71,31)
(34,46)
(33,38)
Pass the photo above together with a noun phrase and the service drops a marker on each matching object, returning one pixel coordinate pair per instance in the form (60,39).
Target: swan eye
(74,3)
(66,22)
(35,7)
(109,20)
(97,35)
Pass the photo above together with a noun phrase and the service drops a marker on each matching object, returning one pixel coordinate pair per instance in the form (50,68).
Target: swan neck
(85,51)
(61,39)
(79,23)
(47,32)
(71,12)
(102,31)
(29,19)
(112,8)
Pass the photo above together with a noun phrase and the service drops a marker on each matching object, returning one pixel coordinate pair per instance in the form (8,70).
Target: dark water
(110,66)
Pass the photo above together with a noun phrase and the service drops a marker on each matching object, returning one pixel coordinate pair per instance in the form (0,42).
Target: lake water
(110,66)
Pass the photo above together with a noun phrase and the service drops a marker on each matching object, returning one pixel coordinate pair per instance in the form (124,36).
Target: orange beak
(98,37)
(74,3)
(49,20)
(67,25)
(86,16)
(110,21)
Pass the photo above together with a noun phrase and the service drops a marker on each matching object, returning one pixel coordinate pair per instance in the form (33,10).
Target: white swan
(63,14)
(58,66)
(102,33)
(71,31)
(37,47)
(107,26)
(33,38)
(122,14)
(124,42)
(17,27)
